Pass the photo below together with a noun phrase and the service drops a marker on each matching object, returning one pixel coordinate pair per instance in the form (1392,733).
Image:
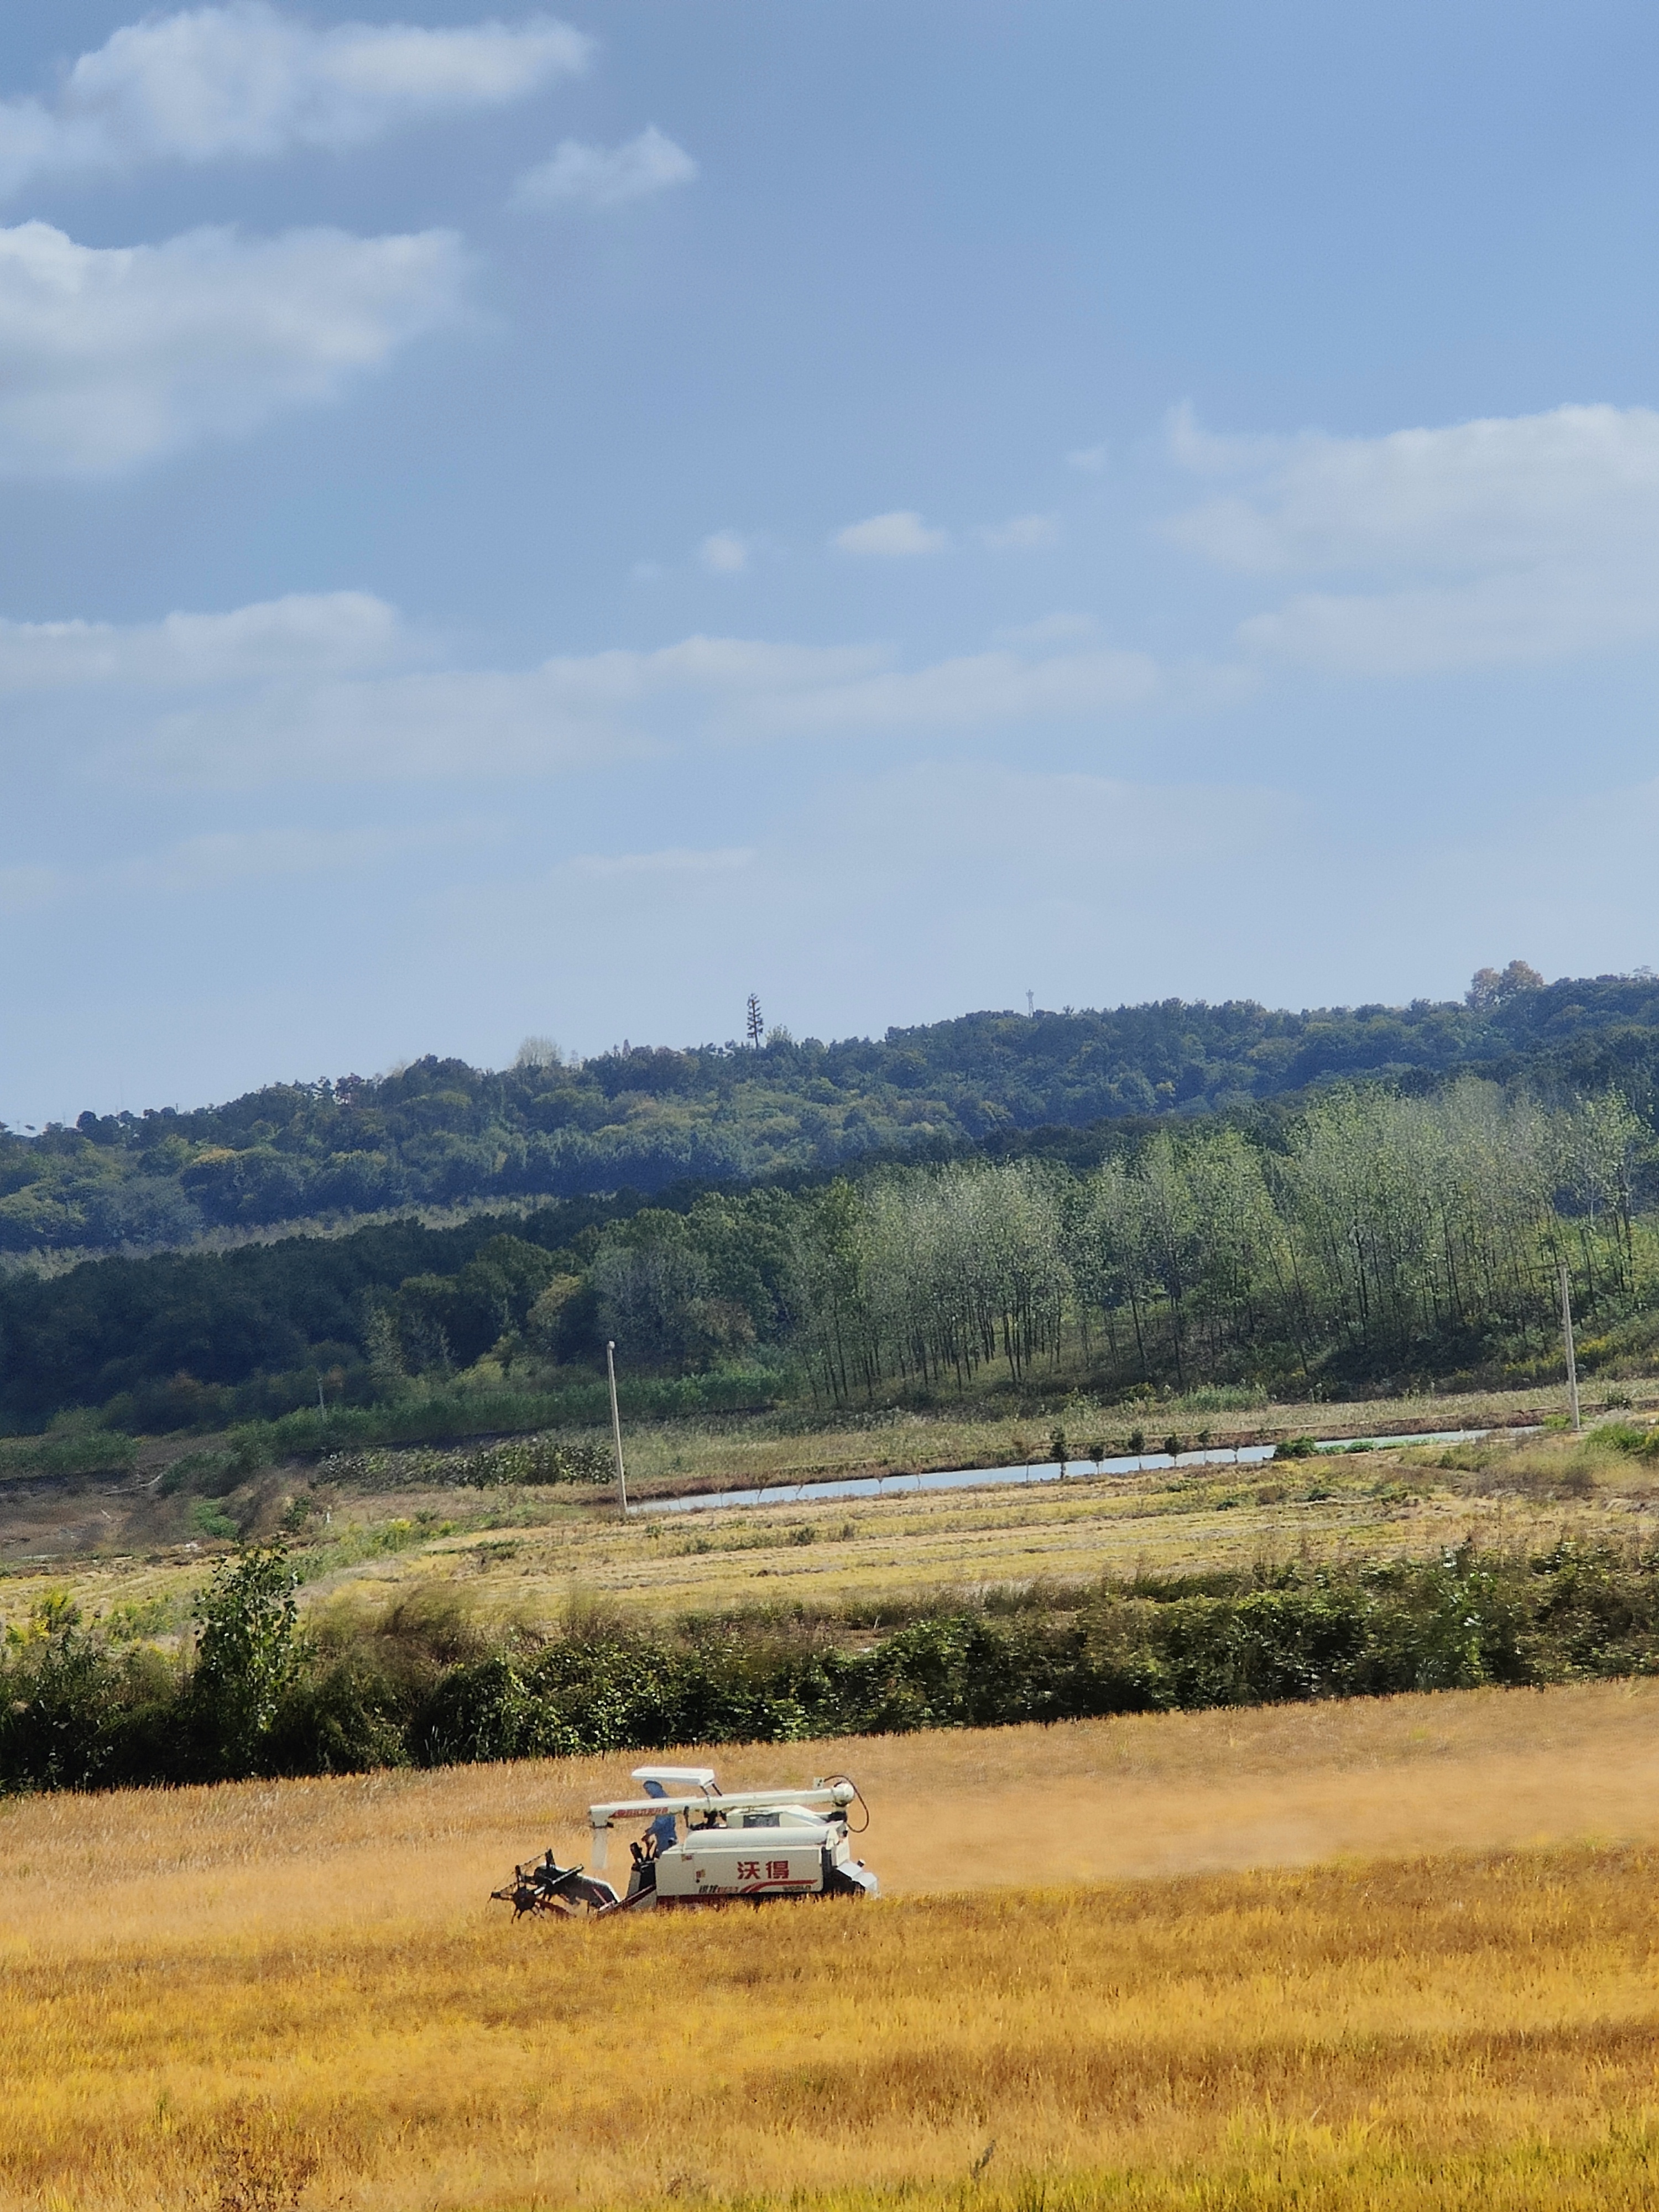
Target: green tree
(248,1658)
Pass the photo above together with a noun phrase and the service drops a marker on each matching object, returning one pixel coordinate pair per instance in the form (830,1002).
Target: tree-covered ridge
(439,1132)
(1366,1236)
(171,1338)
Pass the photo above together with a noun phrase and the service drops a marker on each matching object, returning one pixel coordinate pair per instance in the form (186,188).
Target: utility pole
(616,1428)
(1572,1357)
(1031,1006)
(756,1025)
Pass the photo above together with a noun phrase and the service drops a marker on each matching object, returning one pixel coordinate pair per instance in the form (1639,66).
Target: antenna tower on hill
(757,1025)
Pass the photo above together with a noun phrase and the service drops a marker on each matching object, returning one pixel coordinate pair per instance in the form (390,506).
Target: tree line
(251,1692)
(439,1133)
(1374,1232)
(1370,1236)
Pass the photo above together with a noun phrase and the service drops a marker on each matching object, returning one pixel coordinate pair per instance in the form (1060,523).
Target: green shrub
(75,1445)
(205,1474)
(247,1660)
(80,1710)
(339,1718)
(523,1460)
(1621,1435)
(85,1450)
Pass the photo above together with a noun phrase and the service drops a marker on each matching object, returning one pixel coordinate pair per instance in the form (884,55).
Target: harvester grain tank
(702,1847)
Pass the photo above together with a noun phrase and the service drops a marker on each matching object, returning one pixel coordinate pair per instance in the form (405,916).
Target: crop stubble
(297,1990)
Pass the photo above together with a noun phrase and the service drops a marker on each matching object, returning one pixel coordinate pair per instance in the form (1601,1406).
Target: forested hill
(439,1132)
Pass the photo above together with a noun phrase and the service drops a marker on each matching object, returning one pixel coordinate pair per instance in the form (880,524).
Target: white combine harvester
(702,1848)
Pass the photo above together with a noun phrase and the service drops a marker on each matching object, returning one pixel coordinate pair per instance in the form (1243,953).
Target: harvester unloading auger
(703,1848)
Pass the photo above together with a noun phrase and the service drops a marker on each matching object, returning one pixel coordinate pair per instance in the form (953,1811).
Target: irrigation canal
(1075,1470)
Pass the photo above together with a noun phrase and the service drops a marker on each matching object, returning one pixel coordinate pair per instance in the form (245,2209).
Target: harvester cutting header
(701,1847)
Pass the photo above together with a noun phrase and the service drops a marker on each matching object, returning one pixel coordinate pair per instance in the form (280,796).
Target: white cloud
(724,553)
(1023,533)
(1063,627)
(911,889)
(1505,492)
(975,691)
(245,81)
(331,633)
(337,688)
(618,706)
(1204,452)
(1511,540)
(1545,613)
(983,810)
(1091,459)
(114,356)
(602,176)
(676,860)
(898,536)
(231,859)
(315,723)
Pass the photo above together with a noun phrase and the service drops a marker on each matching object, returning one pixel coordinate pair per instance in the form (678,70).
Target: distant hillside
(439,1133)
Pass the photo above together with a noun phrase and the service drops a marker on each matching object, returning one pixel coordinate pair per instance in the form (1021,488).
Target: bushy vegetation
(439,1133)
(1367,1240)
(526,1459)
(180,1339)
(424,1685)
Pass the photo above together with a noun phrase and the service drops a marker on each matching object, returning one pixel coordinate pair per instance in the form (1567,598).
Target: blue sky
(549,523)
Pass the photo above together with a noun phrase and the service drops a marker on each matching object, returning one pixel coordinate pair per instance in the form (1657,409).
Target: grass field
(525,1554)
(1199,1960)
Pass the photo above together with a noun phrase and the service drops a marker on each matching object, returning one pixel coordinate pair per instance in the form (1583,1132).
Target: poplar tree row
(1372,1231)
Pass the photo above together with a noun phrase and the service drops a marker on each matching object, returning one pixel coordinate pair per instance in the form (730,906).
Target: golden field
(1391,1955)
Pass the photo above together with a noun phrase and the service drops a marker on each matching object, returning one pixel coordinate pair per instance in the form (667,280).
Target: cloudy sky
(549,522)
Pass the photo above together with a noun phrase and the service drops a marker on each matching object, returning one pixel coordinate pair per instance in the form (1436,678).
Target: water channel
(1076,1470)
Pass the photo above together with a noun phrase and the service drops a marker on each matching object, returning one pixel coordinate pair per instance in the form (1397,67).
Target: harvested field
(522,1555)
(295,1994)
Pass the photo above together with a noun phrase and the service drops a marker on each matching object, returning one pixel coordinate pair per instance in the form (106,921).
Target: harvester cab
(700,1847)
(656,1781)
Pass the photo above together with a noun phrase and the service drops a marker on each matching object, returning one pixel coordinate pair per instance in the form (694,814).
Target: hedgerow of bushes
(514,1460)
(518,1460)
(254,1695)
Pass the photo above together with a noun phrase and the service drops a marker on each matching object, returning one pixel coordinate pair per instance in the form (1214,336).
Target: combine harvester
(754,1845)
